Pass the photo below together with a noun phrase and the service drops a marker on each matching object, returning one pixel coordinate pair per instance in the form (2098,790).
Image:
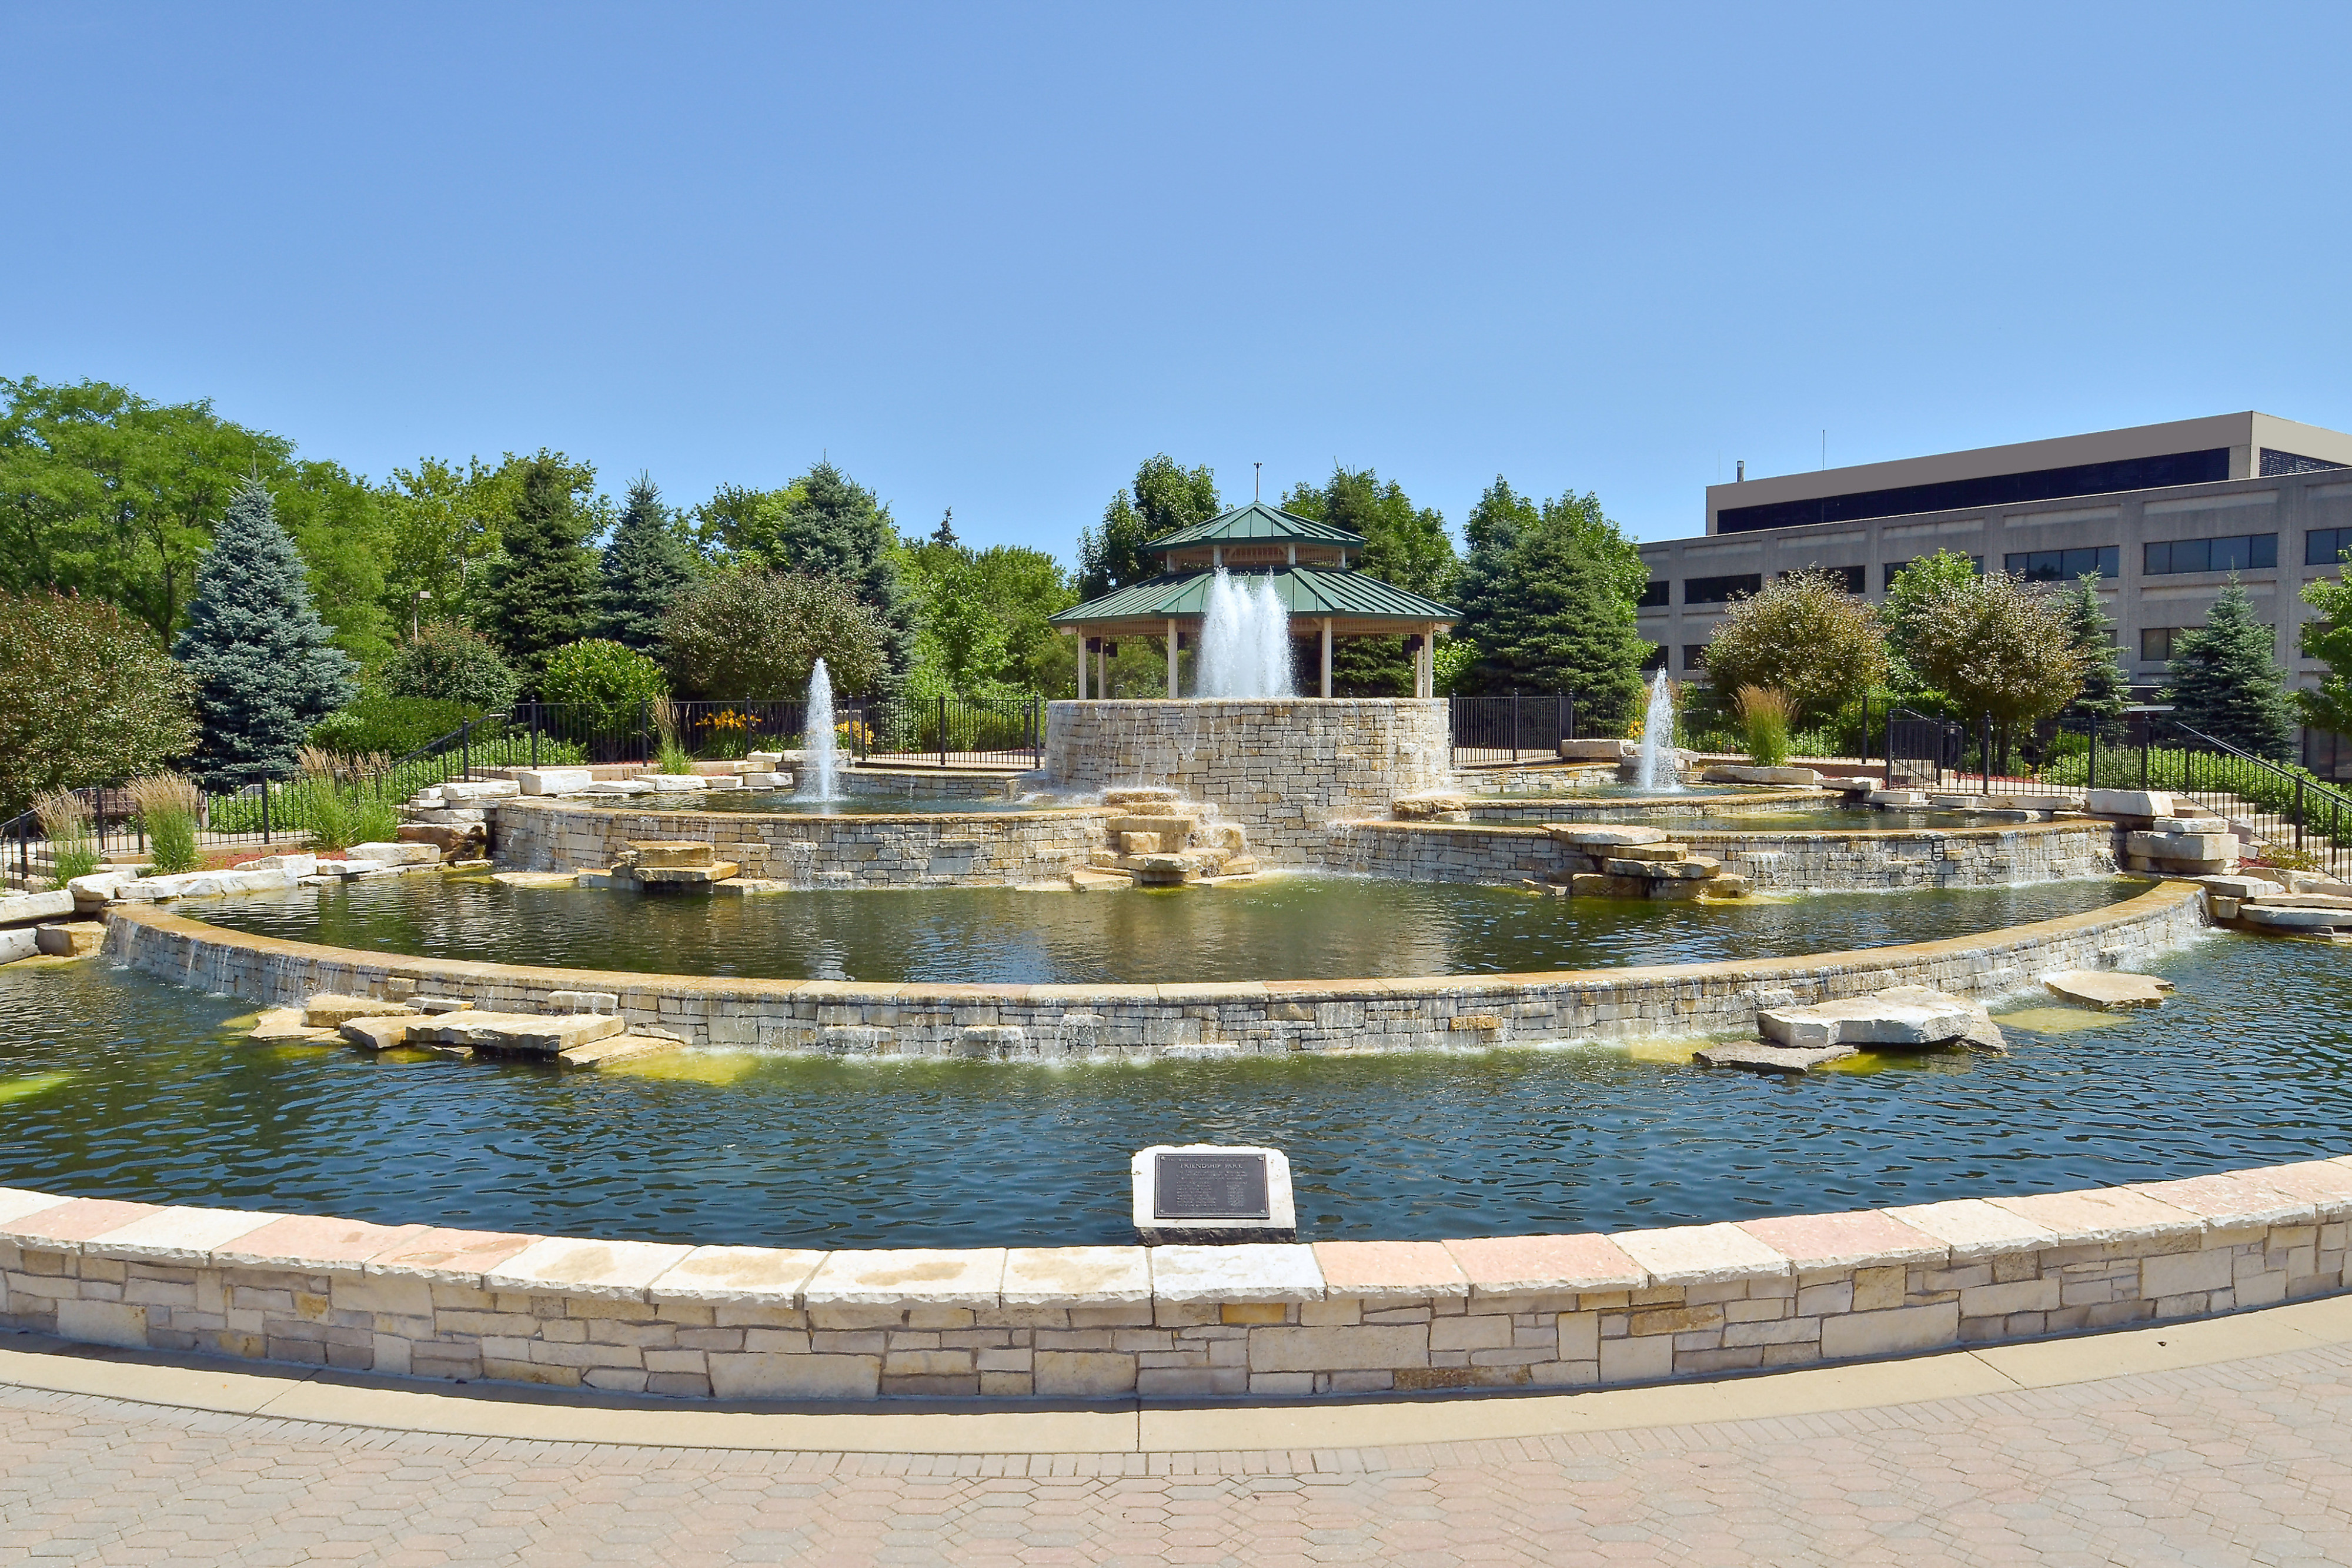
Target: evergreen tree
(1404,544)
(544,587)
(831,526)
(2225,681)
(2099,704)
(945,534)
(1559,622)
(647,562)
(265,665)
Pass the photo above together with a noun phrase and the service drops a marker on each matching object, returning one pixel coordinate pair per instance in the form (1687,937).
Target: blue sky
(989,258)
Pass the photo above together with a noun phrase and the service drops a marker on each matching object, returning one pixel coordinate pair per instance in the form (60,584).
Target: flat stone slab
(24,908)
(1155,1225)
(1613,837)
(536,878)
(1598,751)
(528,1033)
(1910,1015)
(286,1023)
(1755,1056)
(2128,803)
(328,1011)
(685,875)
(617,1048)
(2242,887)
(71,938)
(2181,846)
(377,1033)
(645,853)
(385,854)
(2291,919)
(2106,988)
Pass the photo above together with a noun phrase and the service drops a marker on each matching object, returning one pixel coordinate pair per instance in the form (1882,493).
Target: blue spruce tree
(265,667)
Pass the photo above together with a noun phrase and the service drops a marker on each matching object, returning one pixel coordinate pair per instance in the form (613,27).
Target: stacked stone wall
(1283,769)
(1294,1320)
(978,849)
(1230,1018)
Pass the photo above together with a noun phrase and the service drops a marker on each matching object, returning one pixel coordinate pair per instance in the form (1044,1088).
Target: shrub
(167,805)
(673,756)
(334,801)
(752,632)
(1804,637)
(392,725)
(89,698)
(607,683)
(447,663)
(65,821)
(1764,717)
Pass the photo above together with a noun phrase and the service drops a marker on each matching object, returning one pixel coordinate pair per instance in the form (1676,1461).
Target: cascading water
(1658,742)
(818,783)
(1245,642)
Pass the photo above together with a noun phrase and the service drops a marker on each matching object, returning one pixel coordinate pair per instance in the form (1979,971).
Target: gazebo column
(1102,666)
(1082,666)
(1171,658)
(1424,664)
(1327,655)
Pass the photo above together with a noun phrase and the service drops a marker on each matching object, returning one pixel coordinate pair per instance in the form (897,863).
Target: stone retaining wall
(1777,861)
(1099,1323)
(1281,768)
(1569,809)
(1263,1018)
(979,848)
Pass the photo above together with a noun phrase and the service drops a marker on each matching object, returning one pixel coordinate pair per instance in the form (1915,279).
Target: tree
(1992,646)
(649,559)
(1501,534)
(1404,544)
(1923,582)
(542,586)
(264,666)
(606,685)
(1557,620)
(824,524)
(747,631)
(91,698)
(2223,680)
(984,631)
(2329,640)
(2099,705)
(1165,498)
(1804,636)
(448,663)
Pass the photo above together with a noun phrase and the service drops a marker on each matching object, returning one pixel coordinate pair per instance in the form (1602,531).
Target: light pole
(416,612)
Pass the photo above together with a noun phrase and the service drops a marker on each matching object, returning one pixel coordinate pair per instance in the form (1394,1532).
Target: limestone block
(1920,1018)
(494,788)
(2106,988)
(376,1034)
(1656,849)
(675,783)
(996,1040)
(2219,908)
(742,1275)
(2199,824)
(1701,1254)
(328,1011)
(1278,1224)
(1251,1272)
(766,781)
(1755,1056)
(1083,1374)
(774,1375)
(96,891)
(1599,835)
(937,1277)
(395,854)
(550,781)
(762,761)
(685,875)
(1138,844)
(1890,1333)
(583,1001)
(25,908)
(294,865)
(2128,803)
(2181,846)
(604,1270)
(664,853)
(71,939)
(1897,800)
(446,838)
(1603,750)
(524,1034)
(1361,1348)
(116,1324)
(2291,919)
(1067,1276)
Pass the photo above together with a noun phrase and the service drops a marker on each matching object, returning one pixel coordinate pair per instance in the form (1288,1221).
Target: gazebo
(1306,561)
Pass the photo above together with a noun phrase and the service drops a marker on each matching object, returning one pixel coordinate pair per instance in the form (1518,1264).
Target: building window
(1694,655)
(1994,490)
(2065,565)
(2155,644)
(2329,756)
(1894,568)
(1721,590)
(1658,659)
(1654,594)
(1855,577)
(2239,552)
(2325,547)
(2276,462)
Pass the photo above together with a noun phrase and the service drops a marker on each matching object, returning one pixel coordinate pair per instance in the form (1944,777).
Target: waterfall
(817,739)
(1658,736)
(1245,642)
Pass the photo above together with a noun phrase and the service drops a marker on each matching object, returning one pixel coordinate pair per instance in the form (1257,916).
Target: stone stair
(1159,839)
(1614,861)
(664,864)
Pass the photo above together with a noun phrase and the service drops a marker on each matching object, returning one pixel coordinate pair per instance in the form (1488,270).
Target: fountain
(1245,642)
(819,785)
(1658,741)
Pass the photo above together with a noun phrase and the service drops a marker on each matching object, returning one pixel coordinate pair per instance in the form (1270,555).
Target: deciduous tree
(2329,640)
(92,699)
(1993,646)
(1165,498)
(747,632)
(1404,544)
(1805,637)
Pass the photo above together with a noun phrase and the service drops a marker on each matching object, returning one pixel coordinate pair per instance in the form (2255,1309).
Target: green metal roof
(1256,523)
(1305,591)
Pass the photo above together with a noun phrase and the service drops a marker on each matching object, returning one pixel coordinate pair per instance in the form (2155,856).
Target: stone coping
(2161,899)
(630,804)
(1539,829)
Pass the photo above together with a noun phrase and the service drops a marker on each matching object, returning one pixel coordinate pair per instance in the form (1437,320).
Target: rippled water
(117,1086)
(1809,820)
(786,803)
(1284,927)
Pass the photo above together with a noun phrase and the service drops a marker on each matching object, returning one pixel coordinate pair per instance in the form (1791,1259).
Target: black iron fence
(2305,822)
(1491,731)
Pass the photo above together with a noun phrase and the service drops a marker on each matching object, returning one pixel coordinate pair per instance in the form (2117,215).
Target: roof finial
(1256,469)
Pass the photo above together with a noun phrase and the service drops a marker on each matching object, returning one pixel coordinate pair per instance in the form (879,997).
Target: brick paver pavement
(2245,1462)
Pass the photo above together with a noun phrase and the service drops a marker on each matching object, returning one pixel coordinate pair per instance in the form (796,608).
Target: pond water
(1798,820)
(114,1085)
(877,804)
(1277,927)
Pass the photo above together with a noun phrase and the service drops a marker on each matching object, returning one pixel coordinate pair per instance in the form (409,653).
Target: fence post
(2144,736)
(265,808)
(2091,768)
(1037,732)
(1515,729)
(644,729)
(465,750)
(534,735)
(943,729)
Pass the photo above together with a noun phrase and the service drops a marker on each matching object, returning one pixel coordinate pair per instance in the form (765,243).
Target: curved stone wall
(1092,1323)
(1777,861)
(1263,1018)
(1567,807)
(977,849)
(1281,768)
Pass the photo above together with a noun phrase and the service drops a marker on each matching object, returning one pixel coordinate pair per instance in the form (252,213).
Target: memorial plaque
(1208,1187)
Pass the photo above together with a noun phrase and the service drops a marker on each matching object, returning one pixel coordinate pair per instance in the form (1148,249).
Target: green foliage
(2100,704)
(609,683)
(1456,661)
(73,848)
(1546,603)
(265,665)
(1805,639)
(824,525)
(543,590)
(1166,497)
(1404,544)
(2330,642)
(1923,582)
(1764,718)
(648,559)
(445,526)
(336,815)
(2173,768)
(167,806)
(108,495)
(1991,647)
(89,698)
(754,634)
(2224,681)
(451,663)
(983,629)
(393,726)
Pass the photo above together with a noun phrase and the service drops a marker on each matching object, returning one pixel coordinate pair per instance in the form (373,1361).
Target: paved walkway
(2236,1461)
